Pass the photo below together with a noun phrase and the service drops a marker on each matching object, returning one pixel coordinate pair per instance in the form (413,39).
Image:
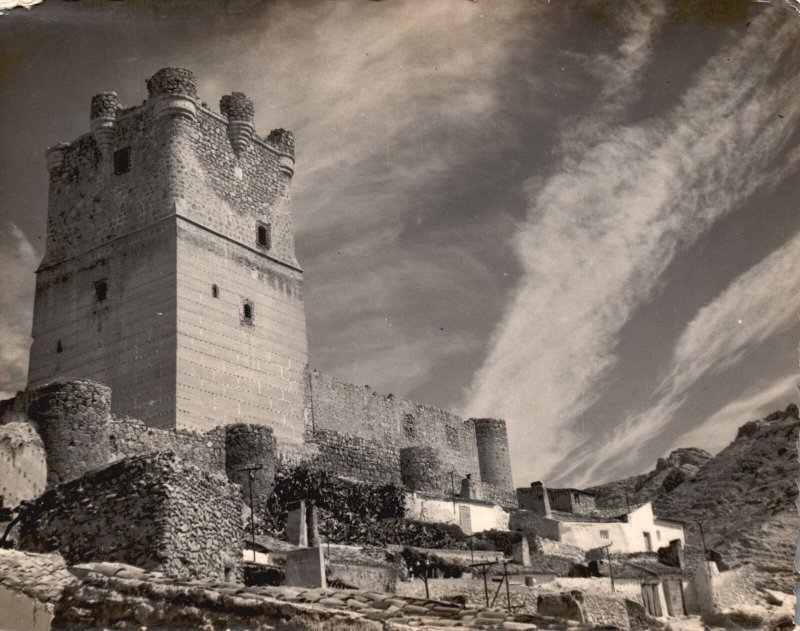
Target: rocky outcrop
(744,496)
(670,472)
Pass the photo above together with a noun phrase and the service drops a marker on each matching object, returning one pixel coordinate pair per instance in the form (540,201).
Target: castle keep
(170,272)
(169,315)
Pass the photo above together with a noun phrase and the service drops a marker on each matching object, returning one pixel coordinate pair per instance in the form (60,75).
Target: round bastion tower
(493,456)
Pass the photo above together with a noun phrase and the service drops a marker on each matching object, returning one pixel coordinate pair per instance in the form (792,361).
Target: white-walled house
(578,522)
(472,515)
(636,531)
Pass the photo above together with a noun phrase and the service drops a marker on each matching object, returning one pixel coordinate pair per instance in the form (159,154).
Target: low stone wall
(374,578)
(155,512)
(606,611)
(360,458)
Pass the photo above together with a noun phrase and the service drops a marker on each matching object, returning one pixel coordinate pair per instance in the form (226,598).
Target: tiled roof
(341,604)
(599,515)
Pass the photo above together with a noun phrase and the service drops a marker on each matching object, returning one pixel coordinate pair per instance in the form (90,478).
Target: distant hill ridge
(744,496)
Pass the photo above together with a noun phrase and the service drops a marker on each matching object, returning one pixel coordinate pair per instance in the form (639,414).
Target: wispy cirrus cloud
(602,230)
(746,314)
(18,260)
(720,428)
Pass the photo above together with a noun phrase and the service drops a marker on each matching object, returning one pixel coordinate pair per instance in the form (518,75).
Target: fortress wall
(393,421)
(131,437)
(154,512)
(357,457)
(230,370)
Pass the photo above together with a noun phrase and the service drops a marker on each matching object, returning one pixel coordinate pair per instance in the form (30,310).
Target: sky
(576,215)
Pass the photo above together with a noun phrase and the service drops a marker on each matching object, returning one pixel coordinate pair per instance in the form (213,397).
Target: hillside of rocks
(681,465)
(744,496)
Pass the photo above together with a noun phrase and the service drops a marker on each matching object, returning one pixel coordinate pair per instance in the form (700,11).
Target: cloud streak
(746,314)
(603,229)
(18,260)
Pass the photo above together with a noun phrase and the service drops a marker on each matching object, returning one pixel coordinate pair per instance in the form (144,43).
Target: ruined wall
(23,471)
(154,512)
(357,457)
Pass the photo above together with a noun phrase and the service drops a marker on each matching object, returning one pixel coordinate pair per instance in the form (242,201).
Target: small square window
(122,161)
(604,534)
(264,235)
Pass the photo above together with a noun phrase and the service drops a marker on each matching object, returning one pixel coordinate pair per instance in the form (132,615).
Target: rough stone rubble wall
(357,457)
(154,512)
(130,437)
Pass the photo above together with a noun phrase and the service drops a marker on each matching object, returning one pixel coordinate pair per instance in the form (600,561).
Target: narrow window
(59,348)
(122,161)
(604,534)
(214,291)
(264,236)
(100,290)
(658,535)
(247,313)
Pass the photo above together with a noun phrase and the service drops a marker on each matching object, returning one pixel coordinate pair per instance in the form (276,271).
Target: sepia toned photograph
(382,315)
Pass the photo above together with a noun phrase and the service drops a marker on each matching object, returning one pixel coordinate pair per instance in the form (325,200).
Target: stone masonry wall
(357,457)
(131,437)
(393,420)
(155,512)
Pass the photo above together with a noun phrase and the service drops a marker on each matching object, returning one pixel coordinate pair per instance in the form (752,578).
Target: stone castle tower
(170,273)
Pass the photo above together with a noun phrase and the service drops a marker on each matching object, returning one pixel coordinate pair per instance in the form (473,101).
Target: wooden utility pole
(251,475)
(610,568)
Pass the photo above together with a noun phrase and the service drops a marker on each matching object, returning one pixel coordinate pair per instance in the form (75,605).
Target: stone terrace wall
(393,421)
(154,512)
(361,458)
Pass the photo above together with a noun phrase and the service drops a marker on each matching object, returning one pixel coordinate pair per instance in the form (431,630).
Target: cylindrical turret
(54,156)
(239,110)
(283,141)
(421,469)
(493,455)
(103,117)
(251,458)
(72,418)
(174,91)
